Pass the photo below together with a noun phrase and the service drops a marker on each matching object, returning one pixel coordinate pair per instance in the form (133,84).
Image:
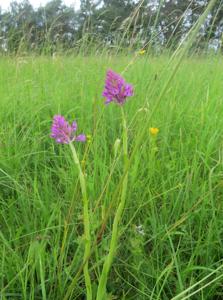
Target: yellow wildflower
(142,51)
(154,131)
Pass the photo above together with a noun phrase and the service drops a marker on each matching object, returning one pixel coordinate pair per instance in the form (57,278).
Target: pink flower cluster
(116,89)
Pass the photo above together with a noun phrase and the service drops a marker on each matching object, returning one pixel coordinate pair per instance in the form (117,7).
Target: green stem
(101,292)
(87,235)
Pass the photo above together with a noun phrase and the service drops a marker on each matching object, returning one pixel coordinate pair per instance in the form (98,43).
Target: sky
(4,4)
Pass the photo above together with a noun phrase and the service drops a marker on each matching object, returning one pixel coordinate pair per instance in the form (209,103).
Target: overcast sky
(36,3)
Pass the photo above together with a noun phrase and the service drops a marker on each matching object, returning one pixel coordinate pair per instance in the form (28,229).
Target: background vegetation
(109,23)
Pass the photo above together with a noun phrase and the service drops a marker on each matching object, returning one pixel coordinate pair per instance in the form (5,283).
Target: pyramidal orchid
(63,132)
(116,89)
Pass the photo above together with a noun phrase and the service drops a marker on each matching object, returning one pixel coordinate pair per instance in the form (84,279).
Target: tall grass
(174,195)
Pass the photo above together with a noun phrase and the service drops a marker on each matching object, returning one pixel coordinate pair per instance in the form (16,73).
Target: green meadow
(170,233)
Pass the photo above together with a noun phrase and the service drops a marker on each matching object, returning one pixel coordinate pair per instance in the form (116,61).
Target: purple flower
(116,89)
(63,132)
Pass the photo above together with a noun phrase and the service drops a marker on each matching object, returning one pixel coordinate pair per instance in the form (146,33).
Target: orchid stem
(101,292)
(86,218)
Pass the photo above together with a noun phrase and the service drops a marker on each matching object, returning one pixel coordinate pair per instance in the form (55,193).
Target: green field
(170,236)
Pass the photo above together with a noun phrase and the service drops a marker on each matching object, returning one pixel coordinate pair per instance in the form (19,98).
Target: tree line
(119,24)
